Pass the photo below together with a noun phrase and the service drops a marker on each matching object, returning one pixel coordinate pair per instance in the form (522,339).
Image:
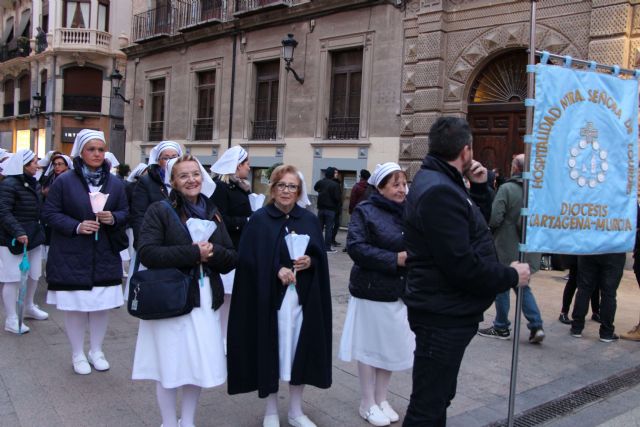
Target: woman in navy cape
(264,266)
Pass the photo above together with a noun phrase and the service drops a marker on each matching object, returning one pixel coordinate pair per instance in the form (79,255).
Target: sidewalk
(39,389)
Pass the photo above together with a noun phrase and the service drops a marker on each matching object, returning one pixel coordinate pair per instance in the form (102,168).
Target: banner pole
(527,149)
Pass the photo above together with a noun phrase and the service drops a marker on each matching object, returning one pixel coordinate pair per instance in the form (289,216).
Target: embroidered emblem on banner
(588,160)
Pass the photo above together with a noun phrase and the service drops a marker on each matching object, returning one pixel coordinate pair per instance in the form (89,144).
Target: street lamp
(288,46)
(116,80)
(37,101)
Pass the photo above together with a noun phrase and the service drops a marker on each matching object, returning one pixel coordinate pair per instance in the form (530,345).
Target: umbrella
(297,245)
(98,201)
(200,231)
(256,201)
(22,291)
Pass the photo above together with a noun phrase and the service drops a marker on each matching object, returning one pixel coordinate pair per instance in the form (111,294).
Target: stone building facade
(64,52)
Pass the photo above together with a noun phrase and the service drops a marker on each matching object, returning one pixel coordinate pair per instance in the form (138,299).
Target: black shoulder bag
(160,293)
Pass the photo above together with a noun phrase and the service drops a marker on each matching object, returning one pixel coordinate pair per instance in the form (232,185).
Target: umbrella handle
(201,276)
(96,238)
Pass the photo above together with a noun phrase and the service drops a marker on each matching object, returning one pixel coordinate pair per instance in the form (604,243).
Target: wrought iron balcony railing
(154,23)
(191,13)
(7,110)
(343,128)
(264,130)
(81,103)
(156,131)
(24,107)
(203,129)
(248,6)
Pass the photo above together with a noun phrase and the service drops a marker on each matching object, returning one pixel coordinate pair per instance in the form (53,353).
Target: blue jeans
(327,220)
(529,309)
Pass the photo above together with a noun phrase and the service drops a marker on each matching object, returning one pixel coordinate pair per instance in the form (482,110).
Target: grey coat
(505,223)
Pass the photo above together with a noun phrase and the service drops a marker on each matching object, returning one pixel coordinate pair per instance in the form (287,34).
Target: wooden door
(497,135)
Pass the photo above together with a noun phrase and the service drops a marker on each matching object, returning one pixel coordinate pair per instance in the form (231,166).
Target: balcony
(264,130)
(246,7)
(81,103)
(154,23)
(343,128)
(156,131)
(82,39)
(203,129)
(7,110)
(24,107)
(193,13)
(12,50)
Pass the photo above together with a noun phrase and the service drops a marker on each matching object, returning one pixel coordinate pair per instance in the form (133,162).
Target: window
(24,105)
(205,89)
(7,36)
(156,122)
(77,13)
(45,16)
(9,90)
(266,113)
(82,89)
(346,86)
(103,15)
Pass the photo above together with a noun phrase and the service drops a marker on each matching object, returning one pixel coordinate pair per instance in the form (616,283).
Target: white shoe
(375,416)
(301,421)
(271,421)
(389,412)
(11,325)
(34,312)
(98,361)
(81,365)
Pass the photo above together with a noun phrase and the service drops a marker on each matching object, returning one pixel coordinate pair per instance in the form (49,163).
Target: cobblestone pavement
(39,389)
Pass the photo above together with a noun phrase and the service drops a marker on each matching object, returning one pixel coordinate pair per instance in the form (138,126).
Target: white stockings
(167,402)
(76,324)
(10,296)
(295,402)
(374,383)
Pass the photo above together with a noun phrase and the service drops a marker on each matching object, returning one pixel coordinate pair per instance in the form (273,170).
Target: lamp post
(36,103)
(116,80)
(288,47)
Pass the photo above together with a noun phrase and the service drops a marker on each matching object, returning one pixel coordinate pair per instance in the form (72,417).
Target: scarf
(95,179)
(196,210)
(397,209)
(242,183)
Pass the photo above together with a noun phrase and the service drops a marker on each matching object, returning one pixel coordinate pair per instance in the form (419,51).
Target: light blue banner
(583,164)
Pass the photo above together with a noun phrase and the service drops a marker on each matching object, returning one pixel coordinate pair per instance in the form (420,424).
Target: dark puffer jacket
(148,190)
(233,203)
(453,270)
(80,262)
(373,242)
(20,211)
(165,244)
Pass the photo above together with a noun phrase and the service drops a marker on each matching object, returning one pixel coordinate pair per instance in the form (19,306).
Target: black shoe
(492,332)
(536,336)
(564,319)
(344,250)
(596,317)
(336,243)
(576,333)
(610,338)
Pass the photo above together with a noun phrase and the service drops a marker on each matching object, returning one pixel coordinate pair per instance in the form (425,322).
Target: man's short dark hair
(365,174)
(448,136)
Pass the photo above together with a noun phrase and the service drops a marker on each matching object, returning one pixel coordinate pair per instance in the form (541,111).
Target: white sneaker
(80,364)
(301,421)
(98,361)
(271,421)
(34,312)
(11,325)
(375,416)
(389,412)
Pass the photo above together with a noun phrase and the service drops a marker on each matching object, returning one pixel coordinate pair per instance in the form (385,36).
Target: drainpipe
(51,113)
(233,86)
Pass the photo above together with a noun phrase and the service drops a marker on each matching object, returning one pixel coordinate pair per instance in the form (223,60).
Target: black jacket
(149,189)
(20,211)
(453,270)
(164,244)
(233,203)
(329,192)
(373,242)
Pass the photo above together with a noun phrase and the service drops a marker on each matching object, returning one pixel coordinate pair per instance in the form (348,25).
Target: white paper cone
(256,201)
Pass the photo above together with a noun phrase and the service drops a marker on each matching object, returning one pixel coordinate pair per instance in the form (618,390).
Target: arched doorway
(496,111)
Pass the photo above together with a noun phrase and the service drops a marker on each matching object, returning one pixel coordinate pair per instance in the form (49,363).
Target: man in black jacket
(453,270)
(329,201)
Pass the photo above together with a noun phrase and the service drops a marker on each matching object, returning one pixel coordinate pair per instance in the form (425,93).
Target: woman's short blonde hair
(183,158)
(277,175)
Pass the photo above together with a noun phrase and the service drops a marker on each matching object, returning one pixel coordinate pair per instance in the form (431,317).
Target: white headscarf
(208,186)
(303,201)
(15,164)
(381,171)
(113,160)
(158,149)
(229,161)
(4,154)
(43,163)
(67,160)
(84,136)
(137,171)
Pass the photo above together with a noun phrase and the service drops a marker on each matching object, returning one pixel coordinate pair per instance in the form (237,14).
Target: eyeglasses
(290,187)
(167,158)
(55,164)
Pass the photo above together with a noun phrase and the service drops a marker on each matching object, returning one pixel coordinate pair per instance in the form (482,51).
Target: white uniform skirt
(377,334)
(9,263)
(227,281)
(97,299)
(289,325)
(182,350)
